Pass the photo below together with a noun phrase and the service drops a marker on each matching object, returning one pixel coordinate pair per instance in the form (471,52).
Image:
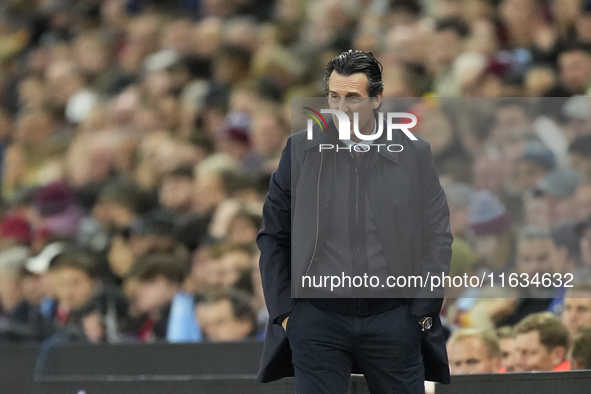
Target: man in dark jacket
(354,211)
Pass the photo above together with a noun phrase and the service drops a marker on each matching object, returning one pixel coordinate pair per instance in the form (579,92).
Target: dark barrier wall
(224,368)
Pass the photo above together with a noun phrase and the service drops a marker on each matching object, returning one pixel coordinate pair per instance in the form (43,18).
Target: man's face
(73,287)
(219,323)
(470,355)
(508,354)
(577,311)
(575,70)
(176,193)
(349,94)
(510,121)
(532,355)
(151,295)
(536,256)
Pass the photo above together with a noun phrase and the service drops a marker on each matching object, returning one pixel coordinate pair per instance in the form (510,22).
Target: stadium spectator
(473,351)
(154,280)
(576,311)
(541,343)
(581,351)
(226,316)
(73,281)
(506,338)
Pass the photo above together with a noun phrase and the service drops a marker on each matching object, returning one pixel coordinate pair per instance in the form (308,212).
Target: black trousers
(325,344)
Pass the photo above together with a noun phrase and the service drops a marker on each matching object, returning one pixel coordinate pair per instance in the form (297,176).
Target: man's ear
(378,101)
(557,355)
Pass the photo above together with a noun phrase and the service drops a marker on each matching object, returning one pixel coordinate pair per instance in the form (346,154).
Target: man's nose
(342,106)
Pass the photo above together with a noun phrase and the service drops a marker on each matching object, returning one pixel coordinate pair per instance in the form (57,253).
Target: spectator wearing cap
(14,230)
(576,310)
(36,281)
(580,357)
(506,338)
(472,350)
(556,191)
(459,199)
(227,316)
(535,163)
(491,225)
(541,344)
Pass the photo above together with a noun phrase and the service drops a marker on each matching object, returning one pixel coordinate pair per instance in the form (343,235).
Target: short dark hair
(151,266)
(241,306)
(551,330)
(453,23)
(582,347)
(76,259)
(356,61)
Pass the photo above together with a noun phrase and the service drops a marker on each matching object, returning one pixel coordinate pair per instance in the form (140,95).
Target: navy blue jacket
(415,216)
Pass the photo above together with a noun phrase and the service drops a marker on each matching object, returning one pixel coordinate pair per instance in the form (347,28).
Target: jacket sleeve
(436,237)
(274,240)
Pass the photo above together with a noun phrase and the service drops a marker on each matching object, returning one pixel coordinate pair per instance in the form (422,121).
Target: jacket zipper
(317,214)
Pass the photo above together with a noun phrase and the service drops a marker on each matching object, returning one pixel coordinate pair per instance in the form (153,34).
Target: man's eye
(354,100)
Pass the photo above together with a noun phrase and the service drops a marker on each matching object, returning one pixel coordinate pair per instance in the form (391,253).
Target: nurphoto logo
(344,129)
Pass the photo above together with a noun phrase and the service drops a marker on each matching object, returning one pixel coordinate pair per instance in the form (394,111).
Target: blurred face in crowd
(446,45)
(536,256)
(242,230)
(225,271)
(176,193)
(208,192)
(436,128)
(537,211)
(218,322)
(349,94)
(577,311)
(72,287)
(532,355)
(34,288)
(508,354)
(151,295)
(510,121)
(34,128)
(459,219)
(575,70)
(487,174)
(470,355)
(267,135)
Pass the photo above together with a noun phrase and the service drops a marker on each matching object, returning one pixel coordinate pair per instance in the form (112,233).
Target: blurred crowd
(137,138)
